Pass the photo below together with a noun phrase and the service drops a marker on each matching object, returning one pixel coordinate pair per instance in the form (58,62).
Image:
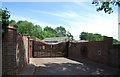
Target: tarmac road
(64,66)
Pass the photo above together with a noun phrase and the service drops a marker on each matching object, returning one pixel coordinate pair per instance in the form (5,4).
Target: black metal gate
(43,50)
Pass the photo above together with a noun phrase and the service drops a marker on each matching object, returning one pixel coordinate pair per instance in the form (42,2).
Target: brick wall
(14,51)
(21,51)
(102,52)
(115,56)
(8,50)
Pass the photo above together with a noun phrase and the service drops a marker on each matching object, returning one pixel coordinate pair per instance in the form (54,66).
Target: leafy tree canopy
(69,35)
(94,37)
(25,27)
(49,32)
(60,31)
(4,16)
(12,22)
(106,5)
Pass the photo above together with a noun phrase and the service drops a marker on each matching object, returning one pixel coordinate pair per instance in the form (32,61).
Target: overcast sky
(75,17)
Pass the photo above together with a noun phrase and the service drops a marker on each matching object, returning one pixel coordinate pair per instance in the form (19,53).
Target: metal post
(28,48)
(51,52)
(33,49)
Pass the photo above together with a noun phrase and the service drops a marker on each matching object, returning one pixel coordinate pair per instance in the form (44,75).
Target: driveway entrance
(43,50)
(64,66)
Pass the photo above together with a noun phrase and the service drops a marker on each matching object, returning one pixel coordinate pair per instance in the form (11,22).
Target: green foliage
(37,32)
(116,41)
(49,32)
(94,37)
(69,35)
(106,5)
(12,22)
(61,32)
(25,27)
(4,16)
(90,36)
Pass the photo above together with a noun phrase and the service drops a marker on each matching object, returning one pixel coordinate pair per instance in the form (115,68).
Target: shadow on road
(71,69)
(64,66)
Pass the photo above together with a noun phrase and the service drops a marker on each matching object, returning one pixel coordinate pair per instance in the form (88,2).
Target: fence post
(67,49)
(28,48)
(33,48)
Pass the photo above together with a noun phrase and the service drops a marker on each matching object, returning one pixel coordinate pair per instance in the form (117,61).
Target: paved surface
(63,66)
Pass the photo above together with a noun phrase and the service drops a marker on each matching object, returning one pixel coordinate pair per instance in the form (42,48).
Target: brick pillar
(108,46)
(108,41)
(26,45)
(9,50)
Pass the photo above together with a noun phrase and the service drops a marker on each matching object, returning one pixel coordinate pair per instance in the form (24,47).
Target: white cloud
(101,25)
(94,22)
(34,21)
(67,14)
(98,24)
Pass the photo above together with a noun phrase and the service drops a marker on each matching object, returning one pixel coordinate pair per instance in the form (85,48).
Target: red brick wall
(14,51)
(115,56)
(8,50)
(21,51)
(99,51)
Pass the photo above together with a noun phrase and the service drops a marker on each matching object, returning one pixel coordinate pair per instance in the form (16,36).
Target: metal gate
(52,50)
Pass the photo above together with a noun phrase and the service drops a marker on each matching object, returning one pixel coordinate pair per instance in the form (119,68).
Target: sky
(75,17)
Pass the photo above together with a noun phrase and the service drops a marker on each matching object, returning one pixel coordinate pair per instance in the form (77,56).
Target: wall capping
(11,26)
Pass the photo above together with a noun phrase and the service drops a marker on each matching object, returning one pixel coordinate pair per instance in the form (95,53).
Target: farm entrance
(41,50)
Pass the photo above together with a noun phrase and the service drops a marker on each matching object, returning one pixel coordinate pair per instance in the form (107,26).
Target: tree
(4,17)
(116,41)
(94,37)
(83,36)
(49,32)
(57,32)
(61,32)
(25,27)
(12,22)
(69,35)
(90,36)
(37,32)
(106,5)
(49,29)
(99,37)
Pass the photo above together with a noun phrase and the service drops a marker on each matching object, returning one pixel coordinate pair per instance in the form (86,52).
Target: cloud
(67,14)
(34,21)
(76,20)
(101,25)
